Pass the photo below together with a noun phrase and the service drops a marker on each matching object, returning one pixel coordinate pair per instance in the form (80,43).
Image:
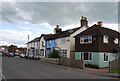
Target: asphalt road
(20,68)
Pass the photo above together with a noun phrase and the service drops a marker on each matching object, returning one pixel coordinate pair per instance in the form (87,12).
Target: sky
(20,19)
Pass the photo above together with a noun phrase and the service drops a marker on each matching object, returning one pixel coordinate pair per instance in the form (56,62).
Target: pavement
(20,68)
(102,72)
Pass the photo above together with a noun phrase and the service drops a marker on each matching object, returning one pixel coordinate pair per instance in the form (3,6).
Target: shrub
(54,54)
(115,71)
(92,66)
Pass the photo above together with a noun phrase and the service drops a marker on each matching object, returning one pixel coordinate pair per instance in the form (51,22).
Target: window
(105,57)
(86,56)
(87,39)
(63,53)
(49,43)
(42,43)
(42,52)
(116,41)
(105,38)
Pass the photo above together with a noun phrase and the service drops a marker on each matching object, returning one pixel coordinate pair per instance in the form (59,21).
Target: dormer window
(105,39)
(86,39)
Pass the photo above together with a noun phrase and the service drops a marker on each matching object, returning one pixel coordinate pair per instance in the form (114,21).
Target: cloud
(39,16)
(11,36)
(25,28)
(62,13)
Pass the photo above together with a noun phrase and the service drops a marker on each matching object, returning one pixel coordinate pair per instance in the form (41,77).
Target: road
(20,68)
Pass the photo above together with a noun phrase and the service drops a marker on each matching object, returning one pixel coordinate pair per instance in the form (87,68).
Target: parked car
(11,55)
(22,55)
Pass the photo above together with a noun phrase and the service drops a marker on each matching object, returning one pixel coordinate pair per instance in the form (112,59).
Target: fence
(114,65)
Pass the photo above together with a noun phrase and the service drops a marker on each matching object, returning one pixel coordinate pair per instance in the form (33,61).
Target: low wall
(50,60)
(65,62)
(71,63)
(114,65)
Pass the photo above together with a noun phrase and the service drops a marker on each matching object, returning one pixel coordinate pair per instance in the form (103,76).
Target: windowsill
(105,42)
(86,43)
(87,60)
(106,61)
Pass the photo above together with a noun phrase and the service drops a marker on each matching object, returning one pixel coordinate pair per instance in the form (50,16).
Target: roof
(34,40)
(45,36)
(62,34)
(97,30)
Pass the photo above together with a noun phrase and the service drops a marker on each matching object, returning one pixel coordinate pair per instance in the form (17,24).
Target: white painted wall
(69,45)
(72,39)
(63,45)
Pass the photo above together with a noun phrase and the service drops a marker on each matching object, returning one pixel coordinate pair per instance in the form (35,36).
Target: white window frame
(49,42)
(116,41)
(105,57)
(82,56)
(105,39)
(63,53)
(83,38)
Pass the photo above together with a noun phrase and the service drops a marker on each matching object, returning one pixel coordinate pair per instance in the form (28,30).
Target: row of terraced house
(95,45)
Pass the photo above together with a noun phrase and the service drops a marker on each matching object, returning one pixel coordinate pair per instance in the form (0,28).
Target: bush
(92,66)
(115,71)
(54,54)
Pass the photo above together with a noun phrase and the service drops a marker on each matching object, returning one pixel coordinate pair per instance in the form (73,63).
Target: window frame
(116,41)
(89,56)
(82,40)
(49,42)
(42,43)
(63,53)
(105,39)
(105,57)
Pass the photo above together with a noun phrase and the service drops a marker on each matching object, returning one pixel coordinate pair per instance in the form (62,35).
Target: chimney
(100,23)
(57,29)
(84,21)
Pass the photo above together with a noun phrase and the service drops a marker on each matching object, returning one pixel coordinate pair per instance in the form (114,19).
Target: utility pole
(28,38)
(28,47)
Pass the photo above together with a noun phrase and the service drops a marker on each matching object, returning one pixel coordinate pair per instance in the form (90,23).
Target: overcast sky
(34,18)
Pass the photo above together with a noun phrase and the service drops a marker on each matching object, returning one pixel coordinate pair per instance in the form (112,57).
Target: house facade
(97,45)
(33,48)
(50,46)
(43,45)
(64,40)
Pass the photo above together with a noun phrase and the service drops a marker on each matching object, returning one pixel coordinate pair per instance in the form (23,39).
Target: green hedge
(92,66)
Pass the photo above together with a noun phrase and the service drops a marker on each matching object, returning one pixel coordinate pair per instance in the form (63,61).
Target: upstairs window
(105,39)
(87,39)
(49,43)
(116,41)
(42,43)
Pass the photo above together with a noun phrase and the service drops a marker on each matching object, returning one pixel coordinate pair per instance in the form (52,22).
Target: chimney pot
(100,23)
(84,21)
